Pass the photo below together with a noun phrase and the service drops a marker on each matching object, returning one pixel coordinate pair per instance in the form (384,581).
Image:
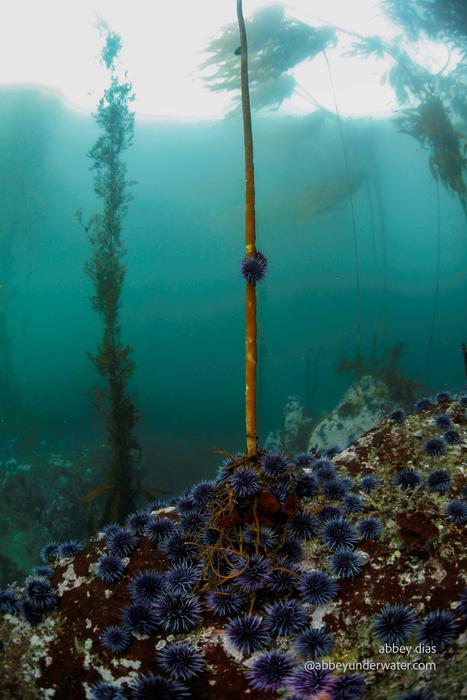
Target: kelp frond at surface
(276,44)
(429,123)
(106,270)
(434,102)
(439,19)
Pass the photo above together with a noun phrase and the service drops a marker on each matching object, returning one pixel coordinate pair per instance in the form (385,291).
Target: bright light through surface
(55,43)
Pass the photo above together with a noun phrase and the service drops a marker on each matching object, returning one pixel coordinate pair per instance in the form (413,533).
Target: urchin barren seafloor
(360,564)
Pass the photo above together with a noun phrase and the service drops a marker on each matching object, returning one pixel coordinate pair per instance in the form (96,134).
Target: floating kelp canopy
(276,44)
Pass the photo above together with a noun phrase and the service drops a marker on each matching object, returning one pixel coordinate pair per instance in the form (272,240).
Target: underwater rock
(362,406)
(295,430)
(399,582)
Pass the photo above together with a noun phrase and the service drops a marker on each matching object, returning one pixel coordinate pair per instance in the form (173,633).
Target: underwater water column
(250,243)
(107,272)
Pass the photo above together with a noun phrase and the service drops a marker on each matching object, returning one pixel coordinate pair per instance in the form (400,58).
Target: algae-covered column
(107,272)
(254,263)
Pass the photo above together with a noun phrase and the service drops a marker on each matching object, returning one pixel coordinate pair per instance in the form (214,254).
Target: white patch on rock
(69,580)
(320,612)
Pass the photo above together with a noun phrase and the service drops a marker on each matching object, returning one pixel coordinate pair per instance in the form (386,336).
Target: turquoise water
(183,306)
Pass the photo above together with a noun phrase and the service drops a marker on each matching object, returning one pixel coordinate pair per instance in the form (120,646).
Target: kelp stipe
(106,270)
(254,264)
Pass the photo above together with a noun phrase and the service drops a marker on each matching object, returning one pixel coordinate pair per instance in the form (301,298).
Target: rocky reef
(332,576)
(362,406)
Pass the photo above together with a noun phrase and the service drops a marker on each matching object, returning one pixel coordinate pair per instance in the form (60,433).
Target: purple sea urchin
(274,464)
(265,537)
(181,661)
(335,489)
(291,551)
(30,613)
(435,447)
(8,601)
(140,618)
(176,548)
(423,404)
(323,463)
(108,530)
(269,671)
(330,513)
(285,617)
(115,638)
(310,683)
(110,568)
(302,460)
(370,529)
(202,492)
(443,396)
(248,633)
(50,552)
(339,533)
(462,607)
(452,437)
(313,643)
(438,629)
(407,479)
(369,483)
(345,563)
(151,687)
(284,579)
(303,526)
(352,503)
(137,522)
(122,542)
(332,451)
(44,571)
(439,481)
(192,522)
(146,586)
(182,577)
(107,691)
(69,549)
(394,624)
(178,612)
(157,528)
(185,503)
(41,594)
(245,482)
(398,416)
(254,267)
(349,687)
(443,421)
(324,469)
(456,512)
(256,575)
(318,588)
(225,601)
(306,486)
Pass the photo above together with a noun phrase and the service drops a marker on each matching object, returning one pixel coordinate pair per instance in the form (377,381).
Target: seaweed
(430,100)
(106,270)
(277,44)
(439,19)
(400,390)
(250,243)
(430,124)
